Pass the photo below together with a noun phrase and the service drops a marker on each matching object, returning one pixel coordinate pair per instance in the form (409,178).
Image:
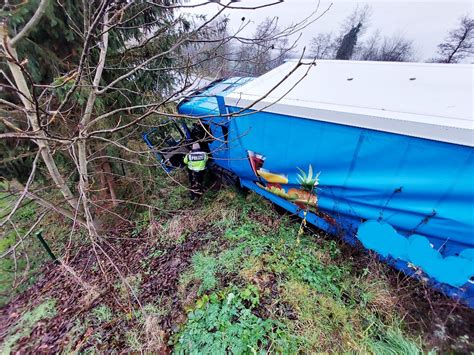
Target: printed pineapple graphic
(306,194)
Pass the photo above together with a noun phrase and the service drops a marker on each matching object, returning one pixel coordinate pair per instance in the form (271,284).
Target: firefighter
(196,161)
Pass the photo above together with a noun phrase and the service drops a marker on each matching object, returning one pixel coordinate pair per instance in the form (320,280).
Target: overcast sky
(425,22)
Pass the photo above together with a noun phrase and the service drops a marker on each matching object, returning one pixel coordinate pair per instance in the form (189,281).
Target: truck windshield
(216,89)
(166,135)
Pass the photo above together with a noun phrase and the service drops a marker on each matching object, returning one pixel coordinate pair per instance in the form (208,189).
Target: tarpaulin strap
(221,105)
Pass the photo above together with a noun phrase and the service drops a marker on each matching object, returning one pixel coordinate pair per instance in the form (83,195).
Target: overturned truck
(377,153)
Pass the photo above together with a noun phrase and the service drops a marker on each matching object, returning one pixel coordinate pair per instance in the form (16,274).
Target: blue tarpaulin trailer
(377,153)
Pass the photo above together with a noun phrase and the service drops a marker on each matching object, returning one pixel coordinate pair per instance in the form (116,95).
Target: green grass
(132,339)
(252,286)
(204,269)
(393,342)
(17,275)
(12,270)
(102,313)
(25,325)
(329,307)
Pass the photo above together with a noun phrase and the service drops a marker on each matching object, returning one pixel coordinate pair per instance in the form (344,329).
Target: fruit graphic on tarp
(273,183)
(305,196)
(267,180)
(272,178)
(256,161)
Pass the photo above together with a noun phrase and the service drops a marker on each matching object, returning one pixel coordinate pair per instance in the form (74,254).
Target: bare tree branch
(31,23)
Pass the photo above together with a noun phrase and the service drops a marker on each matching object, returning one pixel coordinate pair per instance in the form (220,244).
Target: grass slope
(226,275)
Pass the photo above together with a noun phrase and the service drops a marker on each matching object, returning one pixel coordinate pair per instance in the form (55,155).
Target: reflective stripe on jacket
(196,160)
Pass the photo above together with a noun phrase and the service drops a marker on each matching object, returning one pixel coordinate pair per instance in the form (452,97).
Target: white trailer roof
(433,101)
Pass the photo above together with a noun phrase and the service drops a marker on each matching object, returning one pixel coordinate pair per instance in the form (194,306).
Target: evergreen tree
(52,53)
(348,43)
(54,48)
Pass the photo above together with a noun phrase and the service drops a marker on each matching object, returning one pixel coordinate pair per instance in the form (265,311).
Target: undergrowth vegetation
(228,274)
(26,323)
(224,322)
(21,257)
(305,293)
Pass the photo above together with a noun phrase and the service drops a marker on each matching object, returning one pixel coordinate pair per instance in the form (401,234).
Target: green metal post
(39,235)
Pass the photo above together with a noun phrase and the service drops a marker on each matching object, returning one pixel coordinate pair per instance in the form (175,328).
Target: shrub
(224,323)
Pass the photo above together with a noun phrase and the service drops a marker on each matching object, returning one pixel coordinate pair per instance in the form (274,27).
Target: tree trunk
(103,195)
(107,182)
(107,169)
(82,161)
(33,119)
(84,186)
